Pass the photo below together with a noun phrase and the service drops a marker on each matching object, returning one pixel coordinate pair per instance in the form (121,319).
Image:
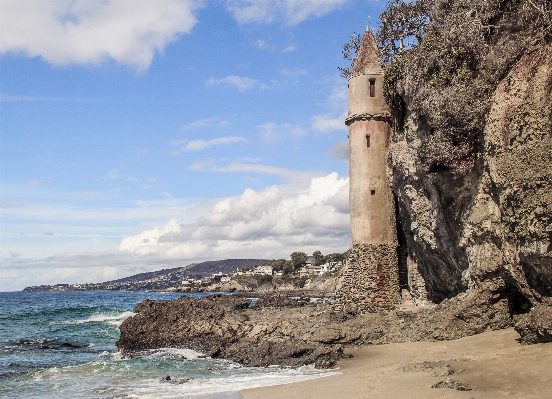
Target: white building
(263,271)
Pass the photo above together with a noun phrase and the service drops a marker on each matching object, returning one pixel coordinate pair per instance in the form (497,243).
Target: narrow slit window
(372,192)
(372,87)
(368,141)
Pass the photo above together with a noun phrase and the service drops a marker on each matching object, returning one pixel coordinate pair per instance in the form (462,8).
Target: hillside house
(263,270)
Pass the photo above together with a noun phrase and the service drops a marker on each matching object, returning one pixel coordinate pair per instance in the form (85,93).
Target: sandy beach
(492,365)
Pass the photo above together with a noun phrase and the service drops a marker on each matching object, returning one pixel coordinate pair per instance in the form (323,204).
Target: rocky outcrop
(292,332)
(488,231)
(536,327)
(224,327)
(182,323)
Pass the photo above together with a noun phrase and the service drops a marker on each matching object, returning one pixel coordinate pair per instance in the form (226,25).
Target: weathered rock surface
(223,326)
(536,327)
(487,231)
(284,333)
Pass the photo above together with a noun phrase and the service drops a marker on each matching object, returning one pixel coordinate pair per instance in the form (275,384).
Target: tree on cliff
(288,268)
(318,257)
(464,49)
(277,264)
(350,50)
(298,259)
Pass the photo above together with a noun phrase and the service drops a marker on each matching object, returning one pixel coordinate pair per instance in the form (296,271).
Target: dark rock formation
(280,300)
(536,327)
(223,326)
(486,231)
(202,324)
(451,384)
(226,327)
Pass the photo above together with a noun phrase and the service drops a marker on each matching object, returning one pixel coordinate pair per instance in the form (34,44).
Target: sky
(142,135)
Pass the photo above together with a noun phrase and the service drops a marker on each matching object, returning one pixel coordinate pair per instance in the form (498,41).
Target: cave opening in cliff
(402,249)
(517,302)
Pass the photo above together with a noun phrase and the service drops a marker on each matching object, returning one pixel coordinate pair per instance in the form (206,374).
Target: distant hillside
(224,266)
(158,280)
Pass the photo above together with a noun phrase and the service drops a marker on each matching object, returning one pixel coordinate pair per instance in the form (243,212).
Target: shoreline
(493,364)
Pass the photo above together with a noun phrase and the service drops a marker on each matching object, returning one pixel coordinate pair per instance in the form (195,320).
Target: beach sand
(493,364)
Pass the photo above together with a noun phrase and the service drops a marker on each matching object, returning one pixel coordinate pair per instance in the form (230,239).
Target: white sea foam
(212,379)
(114,320)
(114,356)
(225,386)
(174,353)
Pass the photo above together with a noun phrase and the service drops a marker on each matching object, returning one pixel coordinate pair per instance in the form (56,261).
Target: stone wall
(370,281)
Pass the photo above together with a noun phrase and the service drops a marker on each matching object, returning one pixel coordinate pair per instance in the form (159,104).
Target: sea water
(62,345)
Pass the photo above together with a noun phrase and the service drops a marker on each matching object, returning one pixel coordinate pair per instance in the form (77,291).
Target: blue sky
(140,135)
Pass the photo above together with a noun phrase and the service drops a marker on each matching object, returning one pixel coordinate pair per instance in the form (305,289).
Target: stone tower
(371,279)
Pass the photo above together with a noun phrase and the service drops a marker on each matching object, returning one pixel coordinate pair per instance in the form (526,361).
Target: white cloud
(292,76)
(113,174)
(247,159)
(289,49)
(9,98)
(288,174)
(262,45)
(328,123)
(272,222)
(242,83)
(272,132)
(309,213)
(196,145)
(340,150)
(334,119)
(290,12)
(207,122)
(90,32)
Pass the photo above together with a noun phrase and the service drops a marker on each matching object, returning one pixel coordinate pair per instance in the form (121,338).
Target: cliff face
(490,227)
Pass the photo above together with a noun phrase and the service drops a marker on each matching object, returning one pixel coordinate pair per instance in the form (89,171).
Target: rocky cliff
(487,229)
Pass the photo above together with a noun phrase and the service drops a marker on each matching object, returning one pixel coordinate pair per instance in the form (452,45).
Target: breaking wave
(114,320)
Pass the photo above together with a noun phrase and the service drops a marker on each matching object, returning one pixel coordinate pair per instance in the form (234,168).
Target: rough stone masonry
(370,280)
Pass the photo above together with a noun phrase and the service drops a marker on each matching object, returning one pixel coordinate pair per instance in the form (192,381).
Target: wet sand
(492,364)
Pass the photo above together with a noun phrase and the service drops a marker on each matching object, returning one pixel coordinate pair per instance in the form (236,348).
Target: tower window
(372,87)
(368,140)
(372,192)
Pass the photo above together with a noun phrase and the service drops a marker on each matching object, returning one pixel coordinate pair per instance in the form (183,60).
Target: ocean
(62,345)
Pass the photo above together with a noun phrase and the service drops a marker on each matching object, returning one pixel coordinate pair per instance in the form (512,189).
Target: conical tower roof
(368,60)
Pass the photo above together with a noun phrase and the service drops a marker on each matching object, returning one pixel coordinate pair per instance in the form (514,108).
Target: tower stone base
(370,281)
